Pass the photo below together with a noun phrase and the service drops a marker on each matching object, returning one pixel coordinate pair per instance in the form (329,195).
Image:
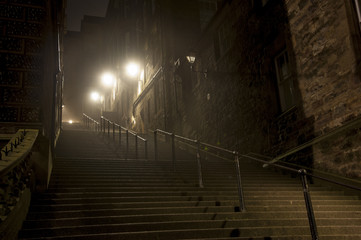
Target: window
(224,38)
(285,81)
(358,11)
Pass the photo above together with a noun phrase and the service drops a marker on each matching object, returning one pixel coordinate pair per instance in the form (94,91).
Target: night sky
(76,9)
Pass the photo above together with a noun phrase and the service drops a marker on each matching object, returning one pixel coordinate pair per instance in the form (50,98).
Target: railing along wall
(90,123)
(301,171)
(198,146)
(15,169)
(115,131)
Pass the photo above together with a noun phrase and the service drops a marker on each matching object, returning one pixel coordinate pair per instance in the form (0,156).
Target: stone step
(146,193)
(215,232)
(262,213)
(181,198)
(180,188)
(34,225)
(209,204)
(343,204)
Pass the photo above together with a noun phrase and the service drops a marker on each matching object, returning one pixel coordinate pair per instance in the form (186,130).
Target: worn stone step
(194,192)
(178,188)
(162,225)
(217,232)
(129,211)
(251,206)
(180,198)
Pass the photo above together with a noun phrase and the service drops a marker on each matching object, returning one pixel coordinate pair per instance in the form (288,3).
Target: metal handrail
(351,124)
(309,174)
(301,172)
(200,175)
(88,121)
(106,123)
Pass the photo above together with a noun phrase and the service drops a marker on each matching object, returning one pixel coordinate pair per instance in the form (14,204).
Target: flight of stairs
(95,193)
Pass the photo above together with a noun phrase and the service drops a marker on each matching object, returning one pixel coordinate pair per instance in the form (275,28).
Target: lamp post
(98,99)
(108,81)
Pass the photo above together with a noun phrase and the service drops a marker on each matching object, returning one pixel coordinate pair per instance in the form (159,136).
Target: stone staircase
(95,193)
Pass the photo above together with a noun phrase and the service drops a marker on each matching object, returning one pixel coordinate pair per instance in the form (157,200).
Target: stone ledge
(11,225)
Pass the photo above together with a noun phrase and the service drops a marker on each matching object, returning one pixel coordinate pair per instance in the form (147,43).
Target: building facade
(268,76)
(31,71)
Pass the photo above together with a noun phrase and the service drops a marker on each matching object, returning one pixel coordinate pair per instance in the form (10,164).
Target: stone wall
(329,80)
(326,63)
(236,100)
(22,25)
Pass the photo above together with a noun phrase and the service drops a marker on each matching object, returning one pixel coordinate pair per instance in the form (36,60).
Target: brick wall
(326,62)
(329,80)
(22,27)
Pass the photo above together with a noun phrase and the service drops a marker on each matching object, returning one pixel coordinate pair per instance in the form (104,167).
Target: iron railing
(90,123)
(109,128)
(301,172)
(105,126)
(198,145)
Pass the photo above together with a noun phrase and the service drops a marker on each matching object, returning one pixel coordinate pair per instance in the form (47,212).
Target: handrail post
(113,131)
(200,176)
(120,136)
(145,149)
(108,128)
(308,202)
(155,146)
(173,151)
(239,183)
(127,143)
(136,146)
(101,124)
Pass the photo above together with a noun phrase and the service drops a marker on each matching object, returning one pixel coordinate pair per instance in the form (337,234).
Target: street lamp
(108,79)
(98,99)
(191,59)
(95,96)
(132,69)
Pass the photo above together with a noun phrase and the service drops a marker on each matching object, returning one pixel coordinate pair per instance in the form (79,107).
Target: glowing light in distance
(108,79)
(70,121)
(132,69)
(95,96)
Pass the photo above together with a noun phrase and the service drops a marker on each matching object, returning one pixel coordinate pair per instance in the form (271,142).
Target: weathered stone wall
(235,102)
(329,81)
(326,63)
(21,61)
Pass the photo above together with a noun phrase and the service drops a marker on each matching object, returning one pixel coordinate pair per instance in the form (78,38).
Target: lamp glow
(108,79)
(95,96)
(191,59)
(132,69)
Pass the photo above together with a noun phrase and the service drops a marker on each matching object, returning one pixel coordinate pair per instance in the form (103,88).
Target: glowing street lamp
(95,96)
(132,69)
(191,59)
(108,79)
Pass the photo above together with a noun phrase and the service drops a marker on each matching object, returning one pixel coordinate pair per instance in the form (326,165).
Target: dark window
(285,81)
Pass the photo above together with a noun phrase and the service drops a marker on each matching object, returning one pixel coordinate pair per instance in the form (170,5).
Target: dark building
(268,76)
(31,88)
(31,68)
